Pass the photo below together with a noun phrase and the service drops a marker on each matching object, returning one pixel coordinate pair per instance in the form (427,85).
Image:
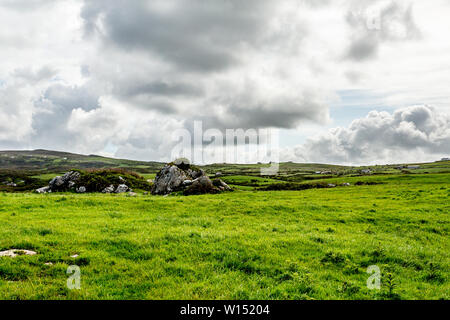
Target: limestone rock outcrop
(182,176)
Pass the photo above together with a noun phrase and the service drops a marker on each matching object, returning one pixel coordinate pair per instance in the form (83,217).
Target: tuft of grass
(44,232)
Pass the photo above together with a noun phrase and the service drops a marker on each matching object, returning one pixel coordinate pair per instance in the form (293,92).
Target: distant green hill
(47,161)
(54,161)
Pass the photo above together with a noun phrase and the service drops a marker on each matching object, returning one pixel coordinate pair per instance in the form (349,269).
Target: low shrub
(293,186)
(95,180)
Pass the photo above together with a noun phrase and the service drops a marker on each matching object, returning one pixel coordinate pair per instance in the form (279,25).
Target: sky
(344,81)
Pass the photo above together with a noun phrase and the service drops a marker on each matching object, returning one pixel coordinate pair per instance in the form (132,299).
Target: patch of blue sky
(355,104)
(110,148)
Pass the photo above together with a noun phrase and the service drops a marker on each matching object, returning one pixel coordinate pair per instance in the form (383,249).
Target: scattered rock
(180,175)
(10,184)
(132,194)
(201,185)
(73,176)
(218,174)
(196,173)
(106,181)
(346,184)
(44,190)
(17,252)
(221,185)
(48,263)
(122,188)
(56,182)
(330,185)
(169,179)
(61,183)
(74,256)
(109,189)
(81,190)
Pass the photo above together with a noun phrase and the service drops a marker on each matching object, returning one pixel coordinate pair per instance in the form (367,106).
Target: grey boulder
(43,190)
(65,182)
(122,188)
(71,176)
(56,182)
(109,189)
(169,179)
(221,185)
(181,176)
(201,185)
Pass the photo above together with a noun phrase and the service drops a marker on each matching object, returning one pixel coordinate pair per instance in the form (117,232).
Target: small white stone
(17,252)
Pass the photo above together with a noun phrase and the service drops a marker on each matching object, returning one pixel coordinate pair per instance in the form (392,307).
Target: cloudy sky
(345,81)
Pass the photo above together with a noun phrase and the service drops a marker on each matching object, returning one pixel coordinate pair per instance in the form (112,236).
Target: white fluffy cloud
(416,133)
(14,115)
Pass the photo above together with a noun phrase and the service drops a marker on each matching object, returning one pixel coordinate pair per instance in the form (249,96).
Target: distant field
(47,176)
(311,244)
(148,175)
(248,182)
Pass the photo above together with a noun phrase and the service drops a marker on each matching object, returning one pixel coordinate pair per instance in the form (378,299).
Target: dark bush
(293,186)
(98,179)
(366,183)
(23,180)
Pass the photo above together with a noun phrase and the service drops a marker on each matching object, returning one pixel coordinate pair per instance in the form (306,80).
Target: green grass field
(311,244)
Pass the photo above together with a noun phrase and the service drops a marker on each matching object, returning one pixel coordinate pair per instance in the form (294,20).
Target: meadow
(247,244)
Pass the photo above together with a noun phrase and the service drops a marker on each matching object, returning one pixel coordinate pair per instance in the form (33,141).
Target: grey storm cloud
(161,88)
(34,76)
(190,44)
(53,110)
(383,136)
(72,97)
(286,116)
(373,27)
(169,59)
(27,5)
(249,111)
(364,48)
(193,35)
(154,94)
